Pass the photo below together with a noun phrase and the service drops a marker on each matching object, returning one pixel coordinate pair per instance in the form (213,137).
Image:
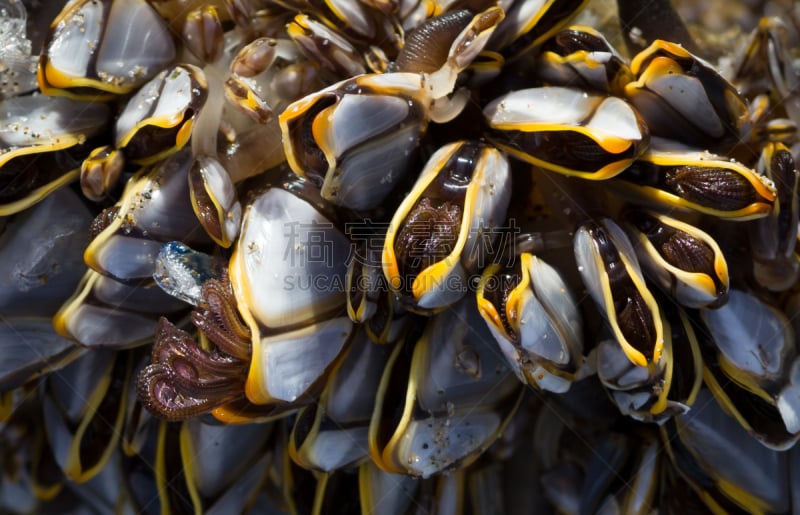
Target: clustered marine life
(399,256)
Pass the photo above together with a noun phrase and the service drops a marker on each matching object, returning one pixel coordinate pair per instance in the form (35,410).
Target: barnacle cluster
(394,256)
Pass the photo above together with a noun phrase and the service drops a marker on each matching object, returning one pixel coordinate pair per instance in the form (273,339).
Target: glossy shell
(698,181)
(355,139)
(132,233)
(40,141)
(683,97)
(580,55)
(443,229)
(446,419)
(531,22)
(611,274)
(568,131)
(773,237)
(214,200)
(296,313)
(685,261)
(535,320)
(332,434)
(99,48)
(157,120)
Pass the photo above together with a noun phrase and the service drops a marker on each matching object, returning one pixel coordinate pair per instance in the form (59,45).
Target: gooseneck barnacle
(380,256)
